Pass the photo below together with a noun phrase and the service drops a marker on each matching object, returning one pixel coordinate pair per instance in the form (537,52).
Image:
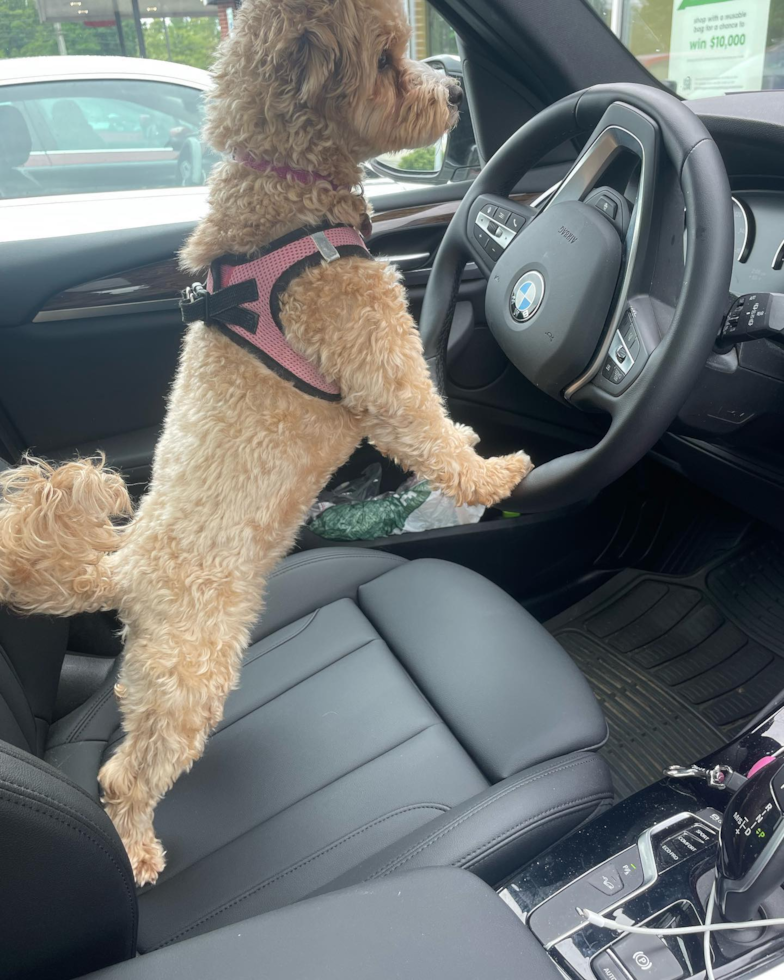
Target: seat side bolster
(66,888)
(500,830)
(311,579)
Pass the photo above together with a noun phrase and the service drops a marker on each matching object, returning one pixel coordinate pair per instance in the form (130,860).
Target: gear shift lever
(751,852)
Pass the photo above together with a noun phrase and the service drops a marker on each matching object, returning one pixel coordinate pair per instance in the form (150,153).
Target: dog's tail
(55,533)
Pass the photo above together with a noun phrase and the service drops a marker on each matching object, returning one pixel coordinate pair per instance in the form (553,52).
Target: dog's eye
(384,61)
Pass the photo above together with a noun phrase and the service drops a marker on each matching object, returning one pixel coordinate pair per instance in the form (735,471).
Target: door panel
(90,333)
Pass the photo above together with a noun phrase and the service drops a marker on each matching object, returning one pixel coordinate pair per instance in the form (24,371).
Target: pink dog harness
(242,299)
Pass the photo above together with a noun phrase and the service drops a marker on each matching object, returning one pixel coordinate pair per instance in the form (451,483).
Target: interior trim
(156,287)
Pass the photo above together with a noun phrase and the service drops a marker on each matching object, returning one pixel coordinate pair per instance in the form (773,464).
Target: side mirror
(454,157)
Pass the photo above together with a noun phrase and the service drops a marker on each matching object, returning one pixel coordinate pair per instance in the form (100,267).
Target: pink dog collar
(301,176)
(242,299)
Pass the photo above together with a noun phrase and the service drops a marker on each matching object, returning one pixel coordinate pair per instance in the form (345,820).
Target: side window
(76,137)
(452,158)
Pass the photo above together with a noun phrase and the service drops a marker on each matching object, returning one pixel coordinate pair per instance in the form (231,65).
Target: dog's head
(314,82)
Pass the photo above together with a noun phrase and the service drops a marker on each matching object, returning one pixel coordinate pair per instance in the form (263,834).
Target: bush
(422,159)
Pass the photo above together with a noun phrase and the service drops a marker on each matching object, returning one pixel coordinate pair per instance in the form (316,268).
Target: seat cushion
(377,695)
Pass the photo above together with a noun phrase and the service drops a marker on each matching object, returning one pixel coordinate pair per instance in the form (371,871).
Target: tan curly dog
(317,85)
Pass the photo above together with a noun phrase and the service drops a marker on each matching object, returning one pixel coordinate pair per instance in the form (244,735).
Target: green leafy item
(366,520)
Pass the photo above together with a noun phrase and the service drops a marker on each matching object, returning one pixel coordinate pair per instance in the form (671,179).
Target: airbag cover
(549,327)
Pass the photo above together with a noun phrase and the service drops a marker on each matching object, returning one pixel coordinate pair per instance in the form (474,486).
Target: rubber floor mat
(680,663)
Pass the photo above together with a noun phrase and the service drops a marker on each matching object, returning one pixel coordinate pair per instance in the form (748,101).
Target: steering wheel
(596,296)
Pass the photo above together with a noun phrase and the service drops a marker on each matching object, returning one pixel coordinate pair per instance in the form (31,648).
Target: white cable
(706,939)
(599,920)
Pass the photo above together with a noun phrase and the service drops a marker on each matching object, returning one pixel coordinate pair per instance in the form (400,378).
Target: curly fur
(55,530)
(243,454)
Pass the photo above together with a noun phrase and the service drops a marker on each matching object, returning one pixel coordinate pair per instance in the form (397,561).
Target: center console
(652,861)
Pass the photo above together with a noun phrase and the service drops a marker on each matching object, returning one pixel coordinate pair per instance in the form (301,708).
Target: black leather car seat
(15,146)
(391,715)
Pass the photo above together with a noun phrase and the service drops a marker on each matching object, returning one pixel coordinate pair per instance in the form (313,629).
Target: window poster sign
(718,46)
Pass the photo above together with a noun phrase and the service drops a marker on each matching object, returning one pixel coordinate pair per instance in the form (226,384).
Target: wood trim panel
(144,284)
(160,283)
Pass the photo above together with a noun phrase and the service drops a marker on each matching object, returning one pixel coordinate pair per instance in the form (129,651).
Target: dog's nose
(455,95)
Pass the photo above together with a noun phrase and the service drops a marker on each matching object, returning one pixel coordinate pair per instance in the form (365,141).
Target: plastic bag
(355,511)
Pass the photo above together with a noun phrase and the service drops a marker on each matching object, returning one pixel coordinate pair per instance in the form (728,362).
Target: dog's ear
(315,61)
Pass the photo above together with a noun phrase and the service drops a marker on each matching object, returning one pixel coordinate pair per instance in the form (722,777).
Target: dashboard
(729,436)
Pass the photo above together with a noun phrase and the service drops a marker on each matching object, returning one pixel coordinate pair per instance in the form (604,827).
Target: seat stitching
(83,722)
(395,866)
(45,767)
(384,556)
(114,738)
(315,673)
(65,807)
(478,807)
(442,808)
(44,810)
(280,643)
(294,803)
(525,825)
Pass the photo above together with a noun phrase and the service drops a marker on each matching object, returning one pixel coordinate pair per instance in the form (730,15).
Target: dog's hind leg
(171,691)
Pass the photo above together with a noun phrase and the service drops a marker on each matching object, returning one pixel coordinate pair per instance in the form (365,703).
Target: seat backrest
(32,649)
(66,887)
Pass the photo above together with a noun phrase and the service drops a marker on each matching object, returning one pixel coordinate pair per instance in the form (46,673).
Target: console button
(558,915)
(669,854)
(703,834)
(606,967)
(607,881)
(647,958)
(678,847)
(711,815)
(686,843)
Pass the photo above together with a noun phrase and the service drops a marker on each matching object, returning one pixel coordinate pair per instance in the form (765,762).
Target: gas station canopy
(106,10)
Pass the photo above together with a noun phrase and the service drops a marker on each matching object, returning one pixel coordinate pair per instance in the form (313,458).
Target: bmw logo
(527,296)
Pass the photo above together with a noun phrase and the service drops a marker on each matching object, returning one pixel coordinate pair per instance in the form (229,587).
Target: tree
(192,40)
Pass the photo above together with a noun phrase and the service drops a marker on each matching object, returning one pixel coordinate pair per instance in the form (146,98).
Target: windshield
(700,48)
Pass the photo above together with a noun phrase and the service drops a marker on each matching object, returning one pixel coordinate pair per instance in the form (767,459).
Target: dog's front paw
(147,858)
(497,479)
(467,434)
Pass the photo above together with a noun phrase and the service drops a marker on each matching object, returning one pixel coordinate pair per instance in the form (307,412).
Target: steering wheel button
(502,215)
(489,210)
(481,236)
(607,206)
(492,228)
(493,249)
(515,222)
